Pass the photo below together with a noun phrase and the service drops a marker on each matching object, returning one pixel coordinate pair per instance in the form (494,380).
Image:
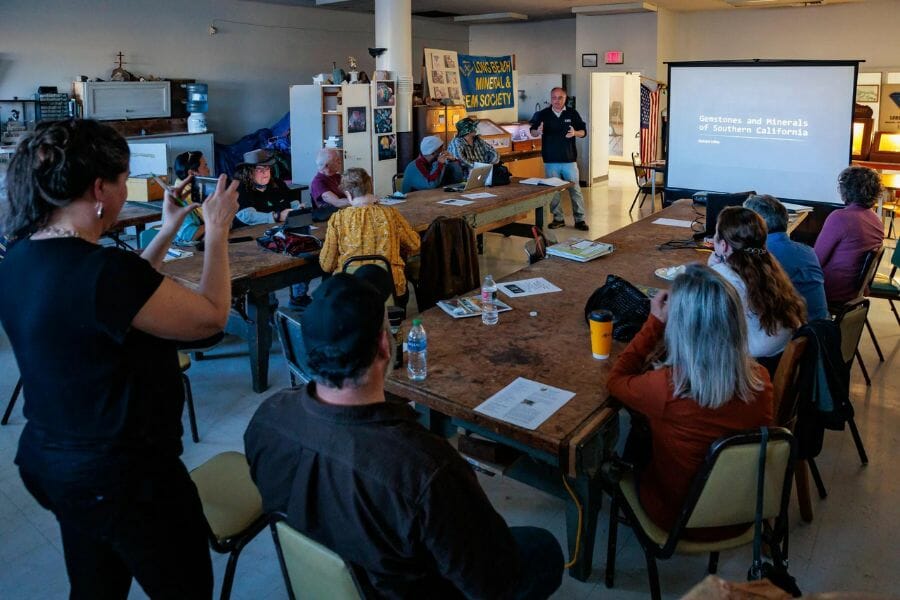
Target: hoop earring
(99,210)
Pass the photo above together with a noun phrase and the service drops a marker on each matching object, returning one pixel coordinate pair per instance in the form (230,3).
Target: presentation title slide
(712,127)
(486,81)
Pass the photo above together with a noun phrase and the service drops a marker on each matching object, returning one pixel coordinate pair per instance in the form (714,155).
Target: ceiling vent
(504,17)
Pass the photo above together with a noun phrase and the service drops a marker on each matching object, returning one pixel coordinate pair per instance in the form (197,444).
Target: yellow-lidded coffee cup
(601,333)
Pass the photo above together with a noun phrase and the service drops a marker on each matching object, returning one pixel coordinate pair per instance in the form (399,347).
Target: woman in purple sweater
(849,233)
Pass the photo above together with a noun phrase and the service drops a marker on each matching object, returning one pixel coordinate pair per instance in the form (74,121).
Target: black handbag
(500,175)
(776,572)
(630,306)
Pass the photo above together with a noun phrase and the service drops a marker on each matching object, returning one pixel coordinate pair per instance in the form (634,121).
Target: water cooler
(197,105)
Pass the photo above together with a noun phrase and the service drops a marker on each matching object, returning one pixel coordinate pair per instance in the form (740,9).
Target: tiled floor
(851,544)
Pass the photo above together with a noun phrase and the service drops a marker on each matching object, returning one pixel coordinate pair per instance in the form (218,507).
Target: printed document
(527,287)
(455,202)
(478,195)
(525,403)
(388,201)
(672,222)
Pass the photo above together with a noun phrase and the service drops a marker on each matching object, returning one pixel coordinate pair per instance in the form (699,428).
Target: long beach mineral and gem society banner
(486,82)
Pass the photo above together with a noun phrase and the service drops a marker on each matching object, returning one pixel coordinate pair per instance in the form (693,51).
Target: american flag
(649,123)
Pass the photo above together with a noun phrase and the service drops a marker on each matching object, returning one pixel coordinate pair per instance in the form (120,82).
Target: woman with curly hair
(772,307)
(849,233)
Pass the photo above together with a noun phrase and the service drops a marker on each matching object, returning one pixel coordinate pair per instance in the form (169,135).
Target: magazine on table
(580,249)
(468,306)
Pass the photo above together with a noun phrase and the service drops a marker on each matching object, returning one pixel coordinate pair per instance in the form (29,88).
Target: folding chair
(645,186)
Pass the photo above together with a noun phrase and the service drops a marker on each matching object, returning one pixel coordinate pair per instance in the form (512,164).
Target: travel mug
(601,333)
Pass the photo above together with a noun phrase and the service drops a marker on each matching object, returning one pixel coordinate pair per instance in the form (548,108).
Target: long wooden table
(255,273)
(468,362)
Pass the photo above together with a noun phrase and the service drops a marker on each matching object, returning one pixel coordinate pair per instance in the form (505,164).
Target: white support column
(393,30)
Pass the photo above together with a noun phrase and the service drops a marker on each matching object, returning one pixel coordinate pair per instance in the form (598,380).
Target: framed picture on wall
(588,60)
(867,93)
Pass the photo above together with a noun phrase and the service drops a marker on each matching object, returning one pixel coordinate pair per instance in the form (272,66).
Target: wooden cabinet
(109,100)
(437,120)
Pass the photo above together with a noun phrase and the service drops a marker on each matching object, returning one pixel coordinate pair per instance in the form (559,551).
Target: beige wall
(259,51)
(541,47)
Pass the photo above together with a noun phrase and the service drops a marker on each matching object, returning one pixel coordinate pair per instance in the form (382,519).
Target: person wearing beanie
(468,147)
(428,170)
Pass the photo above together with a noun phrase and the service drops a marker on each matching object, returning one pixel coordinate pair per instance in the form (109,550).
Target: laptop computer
(477,179)
(299,220)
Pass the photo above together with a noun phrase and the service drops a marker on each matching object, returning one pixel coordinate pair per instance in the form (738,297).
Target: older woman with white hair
(325,188)
(707,385)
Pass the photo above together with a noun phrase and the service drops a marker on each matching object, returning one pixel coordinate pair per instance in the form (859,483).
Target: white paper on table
(796,207)
(176,254)
(389,201)
(673,222)
(525,403)
(478,195)
(455,202)
(527,287)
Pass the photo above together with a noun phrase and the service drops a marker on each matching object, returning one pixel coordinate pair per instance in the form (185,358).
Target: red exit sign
(614,57)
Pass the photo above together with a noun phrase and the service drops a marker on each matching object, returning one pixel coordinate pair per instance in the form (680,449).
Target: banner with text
(486,81)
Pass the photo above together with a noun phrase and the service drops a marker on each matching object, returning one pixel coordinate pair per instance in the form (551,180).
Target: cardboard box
(142,188)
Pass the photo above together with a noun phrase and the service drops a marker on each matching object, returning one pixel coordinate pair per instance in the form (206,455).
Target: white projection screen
(781,128)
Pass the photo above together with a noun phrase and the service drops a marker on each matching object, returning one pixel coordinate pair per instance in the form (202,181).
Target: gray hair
(357,182)
(324,156)
(706,340)
(860,185)
(771,210)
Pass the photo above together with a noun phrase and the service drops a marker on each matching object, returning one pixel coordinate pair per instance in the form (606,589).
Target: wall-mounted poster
(387,147)
(867,93)
(384,93)
(356,119)
(384,120)
(442,74)
(889,109)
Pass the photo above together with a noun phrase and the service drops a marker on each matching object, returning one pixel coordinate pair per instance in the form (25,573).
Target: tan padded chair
(851,322)
(723,493)
(232,506)
(310,569)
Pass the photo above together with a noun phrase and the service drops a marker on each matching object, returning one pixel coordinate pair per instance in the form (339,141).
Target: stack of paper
(580,249)
(551,181)
(470,306)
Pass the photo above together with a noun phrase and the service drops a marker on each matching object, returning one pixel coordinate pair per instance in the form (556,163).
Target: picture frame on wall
(867,93)
(589,60)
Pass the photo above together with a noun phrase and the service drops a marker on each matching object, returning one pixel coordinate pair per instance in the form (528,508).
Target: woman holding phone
(94,329)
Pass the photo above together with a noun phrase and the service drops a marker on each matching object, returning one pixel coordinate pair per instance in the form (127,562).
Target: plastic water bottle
(489,315)
(417,352)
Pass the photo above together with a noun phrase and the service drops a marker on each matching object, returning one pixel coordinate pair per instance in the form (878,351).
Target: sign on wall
(442,75)
(486,81)
(889,111)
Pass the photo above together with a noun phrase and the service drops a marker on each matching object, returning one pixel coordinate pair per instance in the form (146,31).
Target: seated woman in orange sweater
(366,227)
(707,386)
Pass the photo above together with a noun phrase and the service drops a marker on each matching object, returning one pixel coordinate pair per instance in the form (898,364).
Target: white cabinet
(109,100)
(176,143)
(360,117)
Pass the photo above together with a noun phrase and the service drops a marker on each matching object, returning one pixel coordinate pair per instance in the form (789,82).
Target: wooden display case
(885,148)
(495,135)
(522,140)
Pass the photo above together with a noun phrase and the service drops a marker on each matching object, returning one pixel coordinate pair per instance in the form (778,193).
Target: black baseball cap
(341,325)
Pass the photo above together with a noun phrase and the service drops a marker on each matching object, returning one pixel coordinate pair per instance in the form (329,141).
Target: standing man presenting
(559,126)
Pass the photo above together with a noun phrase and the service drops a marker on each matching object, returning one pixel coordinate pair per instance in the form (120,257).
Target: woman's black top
(94,386)
(275,197)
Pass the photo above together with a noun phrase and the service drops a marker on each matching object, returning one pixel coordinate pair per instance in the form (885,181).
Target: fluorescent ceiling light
(783,3)
(615,9)
(491,18)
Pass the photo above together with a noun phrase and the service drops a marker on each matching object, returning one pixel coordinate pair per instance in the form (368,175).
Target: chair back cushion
(729,496)
(870,263)
(314,571)
(851,321)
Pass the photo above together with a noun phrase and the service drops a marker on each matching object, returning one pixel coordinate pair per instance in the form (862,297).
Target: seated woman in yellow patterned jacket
(366,227)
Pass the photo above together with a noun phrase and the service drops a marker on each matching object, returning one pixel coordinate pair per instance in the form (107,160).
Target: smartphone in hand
(171,191)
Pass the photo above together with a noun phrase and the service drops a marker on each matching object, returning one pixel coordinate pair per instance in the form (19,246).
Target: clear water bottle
(417,352)
(489,315)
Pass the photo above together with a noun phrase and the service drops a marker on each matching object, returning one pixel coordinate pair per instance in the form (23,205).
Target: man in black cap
(360,475)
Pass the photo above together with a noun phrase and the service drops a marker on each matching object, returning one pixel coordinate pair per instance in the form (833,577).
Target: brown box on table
(143,188)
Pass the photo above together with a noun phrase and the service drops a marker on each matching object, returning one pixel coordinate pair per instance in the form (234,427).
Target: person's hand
(715,259)
(221,206)
(571,132)
(540,129)
(174,211)
(443,157)
(283,215)
(659,305)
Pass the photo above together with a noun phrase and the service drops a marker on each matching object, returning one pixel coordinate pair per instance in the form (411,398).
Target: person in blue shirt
(428,170)
(798,260)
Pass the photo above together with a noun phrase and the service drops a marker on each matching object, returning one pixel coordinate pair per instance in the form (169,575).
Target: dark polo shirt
(391,498)
(555,146)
